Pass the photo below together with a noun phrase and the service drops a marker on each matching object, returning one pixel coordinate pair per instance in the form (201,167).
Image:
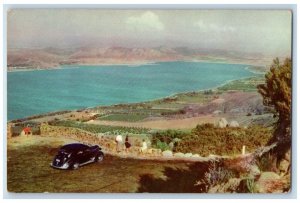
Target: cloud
(147,21)
(211,27)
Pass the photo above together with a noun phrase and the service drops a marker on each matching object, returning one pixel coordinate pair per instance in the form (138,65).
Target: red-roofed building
(27,130)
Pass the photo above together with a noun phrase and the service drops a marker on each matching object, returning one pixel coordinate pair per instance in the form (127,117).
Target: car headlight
(65,165)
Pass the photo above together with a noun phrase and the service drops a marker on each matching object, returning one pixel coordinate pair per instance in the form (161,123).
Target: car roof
(74,147)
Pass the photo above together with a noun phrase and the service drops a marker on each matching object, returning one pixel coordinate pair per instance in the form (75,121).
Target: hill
(48,58)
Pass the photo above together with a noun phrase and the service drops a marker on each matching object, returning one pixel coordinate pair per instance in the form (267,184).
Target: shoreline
(71,66)
(57,112)
(134,64)
(255,71)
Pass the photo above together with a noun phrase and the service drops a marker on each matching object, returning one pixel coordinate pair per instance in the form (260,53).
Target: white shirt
(119,138)
(144,146)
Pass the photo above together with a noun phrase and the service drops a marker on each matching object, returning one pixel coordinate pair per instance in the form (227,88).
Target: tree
(276,93)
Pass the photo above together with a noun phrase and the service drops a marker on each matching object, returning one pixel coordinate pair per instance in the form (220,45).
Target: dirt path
(186,123)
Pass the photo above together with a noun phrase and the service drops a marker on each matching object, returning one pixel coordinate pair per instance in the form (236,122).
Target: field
(163,124)
(248,84)
(101,128)
(112,175)
(124,117)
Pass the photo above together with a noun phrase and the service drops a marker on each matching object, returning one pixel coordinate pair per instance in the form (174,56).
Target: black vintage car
(71,156)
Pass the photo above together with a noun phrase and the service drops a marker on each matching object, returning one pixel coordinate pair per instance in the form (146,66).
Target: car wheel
(99,158)
(75,166)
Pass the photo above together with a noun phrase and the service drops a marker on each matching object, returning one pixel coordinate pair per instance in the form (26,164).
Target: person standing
(119,140)
(127,144)
(144,147)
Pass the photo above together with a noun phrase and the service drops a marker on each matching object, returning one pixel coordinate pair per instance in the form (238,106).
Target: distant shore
(135,64)
(9,69)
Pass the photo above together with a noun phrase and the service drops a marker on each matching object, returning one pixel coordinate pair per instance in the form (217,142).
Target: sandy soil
(186,123)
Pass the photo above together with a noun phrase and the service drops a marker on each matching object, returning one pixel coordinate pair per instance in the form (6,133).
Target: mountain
(54,57)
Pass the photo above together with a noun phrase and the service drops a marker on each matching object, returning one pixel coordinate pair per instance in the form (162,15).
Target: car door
(88,154)
(80,157)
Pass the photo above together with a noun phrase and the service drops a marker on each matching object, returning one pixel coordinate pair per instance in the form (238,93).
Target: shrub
(205,126)
(250,185)
(173,112)
(217,174)
(161,145)
(167,135)
(206,139)
(208,92)
(162,138)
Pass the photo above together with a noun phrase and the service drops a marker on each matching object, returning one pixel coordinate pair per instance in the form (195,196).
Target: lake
(76,87)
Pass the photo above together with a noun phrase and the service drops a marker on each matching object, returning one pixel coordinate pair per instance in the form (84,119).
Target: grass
(28,170)
(136,114)
(132,117)
(100,128)
(195,97)
(248,84)
(133,112)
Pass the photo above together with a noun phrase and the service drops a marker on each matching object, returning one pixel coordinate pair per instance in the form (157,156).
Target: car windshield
(64,152)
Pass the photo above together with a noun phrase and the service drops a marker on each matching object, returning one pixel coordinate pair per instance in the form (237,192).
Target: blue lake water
(35,92)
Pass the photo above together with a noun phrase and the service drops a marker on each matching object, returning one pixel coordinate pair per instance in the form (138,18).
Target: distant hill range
(52,57)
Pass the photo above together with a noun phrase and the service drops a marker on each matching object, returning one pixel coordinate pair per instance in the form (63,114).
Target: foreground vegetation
(204,140)
(207,139)
(128,175)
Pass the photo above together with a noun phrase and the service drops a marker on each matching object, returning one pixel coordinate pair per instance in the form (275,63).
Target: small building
(27,130)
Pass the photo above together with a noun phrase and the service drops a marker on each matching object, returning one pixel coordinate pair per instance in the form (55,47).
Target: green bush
(167,135)
(206,139)
(204,126)
(161,145)
(161,139)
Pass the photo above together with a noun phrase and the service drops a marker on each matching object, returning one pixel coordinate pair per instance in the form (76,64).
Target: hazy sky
(263,31)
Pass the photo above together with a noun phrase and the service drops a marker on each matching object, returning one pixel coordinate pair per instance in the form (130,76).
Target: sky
(258,31)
